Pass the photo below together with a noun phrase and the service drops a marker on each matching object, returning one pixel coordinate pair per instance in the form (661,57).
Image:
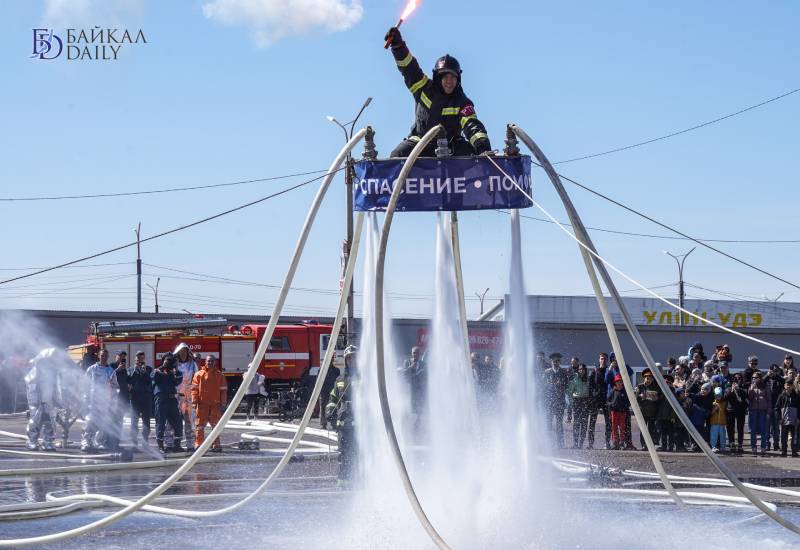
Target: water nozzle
(442,147)
(370,152)
(512,149)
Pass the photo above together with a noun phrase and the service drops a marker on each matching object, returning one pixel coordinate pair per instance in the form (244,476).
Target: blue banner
(456,183)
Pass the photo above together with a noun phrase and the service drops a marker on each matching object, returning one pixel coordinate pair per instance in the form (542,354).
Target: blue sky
(227,95)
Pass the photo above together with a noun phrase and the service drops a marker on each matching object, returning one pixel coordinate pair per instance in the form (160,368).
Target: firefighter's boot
(161,445)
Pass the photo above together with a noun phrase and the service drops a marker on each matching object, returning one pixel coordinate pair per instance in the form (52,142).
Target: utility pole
(348,180)
(155,291)
(680,259)
(481,296)
(138,269)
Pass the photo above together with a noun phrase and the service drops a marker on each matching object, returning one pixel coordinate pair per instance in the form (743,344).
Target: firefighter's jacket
(341,402)
(209,387)
(455,111)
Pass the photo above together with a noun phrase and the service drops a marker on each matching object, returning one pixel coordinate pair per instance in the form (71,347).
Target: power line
(155,191)
(668,237)
(679,132)
(71,266)
(170,231)
(52,291)
(68,281)
(676,231)
(207,278)
(728,294)
(768,304)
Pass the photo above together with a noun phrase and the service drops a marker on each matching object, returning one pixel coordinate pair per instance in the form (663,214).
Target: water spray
(587,248)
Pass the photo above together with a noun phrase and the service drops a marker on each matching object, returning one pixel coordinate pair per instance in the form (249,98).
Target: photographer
(736,398)
(141,398)
(166,381)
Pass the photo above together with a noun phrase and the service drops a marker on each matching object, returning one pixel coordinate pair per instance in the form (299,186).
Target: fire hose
(384,399)
(247,378)
(587,248)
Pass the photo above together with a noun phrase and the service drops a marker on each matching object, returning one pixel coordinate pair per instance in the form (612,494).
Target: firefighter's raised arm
(414,78)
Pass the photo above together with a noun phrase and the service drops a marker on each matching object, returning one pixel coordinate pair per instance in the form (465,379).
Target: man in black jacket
(166,381)
(141,390)
(439,100)
(786,409)
(598,389)
(555,390)
(774,382)
(122,406)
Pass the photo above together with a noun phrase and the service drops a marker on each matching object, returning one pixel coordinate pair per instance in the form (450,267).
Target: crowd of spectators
(720,404)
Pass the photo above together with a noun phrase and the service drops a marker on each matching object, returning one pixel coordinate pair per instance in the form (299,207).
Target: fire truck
(293,356)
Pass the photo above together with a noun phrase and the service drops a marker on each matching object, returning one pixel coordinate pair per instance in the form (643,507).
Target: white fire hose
(586,246)
(247,378)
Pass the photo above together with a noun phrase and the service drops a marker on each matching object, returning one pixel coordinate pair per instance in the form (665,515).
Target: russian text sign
(455,183)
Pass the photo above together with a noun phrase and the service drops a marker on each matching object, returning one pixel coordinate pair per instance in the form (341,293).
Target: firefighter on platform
(439,100)
(339,411)
(209,395)
(43,385)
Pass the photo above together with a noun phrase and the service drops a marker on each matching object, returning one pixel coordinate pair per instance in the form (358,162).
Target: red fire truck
(293,355)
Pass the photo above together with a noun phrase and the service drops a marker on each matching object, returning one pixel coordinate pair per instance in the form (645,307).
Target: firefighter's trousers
(206,414)
(347,451)
(167,411)
(187,416)
(141,407)
(41,422)
(102,428)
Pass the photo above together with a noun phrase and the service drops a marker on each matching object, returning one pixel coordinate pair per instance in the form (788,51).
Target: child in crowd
(618,403)
(718,421)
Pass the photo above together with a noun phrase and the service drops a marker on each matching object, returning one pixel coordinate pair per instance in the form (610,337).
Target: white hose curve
(247,378)
(384,399)
(584,241)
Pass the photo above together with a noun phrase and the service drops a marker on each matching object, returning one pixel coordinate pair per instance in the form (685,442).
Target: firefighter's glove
(483,147)
(393,37)
(330,412)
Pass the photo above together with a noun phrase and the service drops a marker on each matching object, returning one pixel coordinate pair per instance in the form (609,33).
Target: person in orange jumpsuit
(209,396)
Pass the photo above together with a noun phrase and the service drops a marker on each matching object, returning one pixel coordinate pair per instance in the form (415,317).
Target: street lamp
(481,296)
(155,291)
(680,259)
(348,180)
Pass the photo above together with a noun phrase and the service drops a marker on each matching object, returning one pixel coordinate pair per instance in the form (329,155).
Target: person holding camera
(166,381)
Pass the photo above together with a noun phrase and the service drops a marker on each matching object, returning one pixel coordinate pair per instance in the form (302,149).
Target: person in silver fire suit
(43,385)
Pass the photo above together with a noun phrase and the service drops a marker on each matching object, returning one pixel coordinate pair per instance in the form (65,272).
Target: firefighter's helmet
(447,64)
(350,350)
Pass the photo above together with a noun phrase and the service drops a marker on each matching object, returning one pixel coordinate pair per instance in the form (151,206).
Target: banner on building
(653,312)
